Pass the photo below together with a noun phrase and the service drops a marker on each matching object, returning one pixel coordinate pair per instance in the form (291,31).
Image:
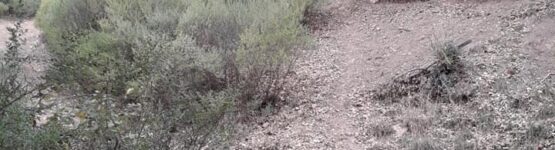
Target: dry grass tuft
(440,81)
(381,130)
(417,125)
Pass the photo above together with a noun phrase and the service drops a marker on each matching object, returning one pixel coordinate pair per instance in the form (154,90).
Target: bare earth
(368,43)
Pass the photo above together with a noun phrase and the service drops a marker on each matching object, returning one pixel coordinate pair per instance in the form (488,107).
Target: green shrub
(21,8)
(3,9)
(64,23)
(27,8)
(193,65)
(235,40)
(17,131)
(71,32)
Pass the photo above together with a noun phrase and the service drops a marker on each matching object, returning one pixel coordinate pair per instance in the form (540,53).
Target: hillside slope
(367,44)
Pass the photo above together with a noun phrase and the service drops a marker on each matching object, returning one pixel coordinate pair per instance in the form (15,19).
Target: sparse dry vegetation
(460,109)
(437,82)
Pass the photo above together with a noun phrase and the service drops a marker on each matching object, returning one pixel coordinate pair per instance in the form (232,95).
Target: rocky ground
(367,43)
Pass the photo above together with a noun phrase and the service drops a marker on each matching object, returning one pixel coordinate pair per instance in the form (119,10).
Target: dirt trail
(33,47)
(365,45)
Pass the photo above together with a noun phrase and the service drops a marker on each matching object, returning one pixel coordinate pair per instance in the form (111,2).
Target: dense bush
(224,42)
(193,65)
(71,32)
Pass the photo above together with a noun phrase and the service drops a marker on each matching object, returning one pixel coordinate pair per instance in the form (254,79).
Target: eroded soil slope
(366,44)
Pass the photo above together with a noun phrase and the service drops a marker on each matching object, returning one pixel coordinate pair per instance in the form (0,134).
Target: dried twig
(465,43)
(427,67)
(547,77)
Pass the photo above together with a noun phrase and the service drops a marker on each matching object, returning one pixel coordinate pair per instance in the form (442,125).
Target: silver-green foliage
(191,64)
